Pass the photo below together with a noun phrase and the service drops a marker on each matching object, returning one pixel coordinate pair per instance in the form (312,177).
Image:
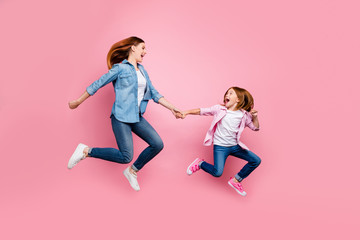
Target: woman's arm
(108,77)
(74,104)
(165,103)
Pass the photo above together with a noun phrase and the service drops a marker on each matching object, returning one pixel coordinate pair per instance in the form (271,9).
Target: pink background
(299,59)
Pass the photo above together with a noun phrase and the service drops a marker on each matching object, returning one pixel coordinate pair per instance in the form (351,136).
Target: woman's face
(139,52)
(231,99)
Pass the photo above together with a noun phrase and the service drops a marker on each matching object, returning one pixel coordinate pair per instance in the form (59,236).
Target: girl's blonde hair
(246,100)
(120,50)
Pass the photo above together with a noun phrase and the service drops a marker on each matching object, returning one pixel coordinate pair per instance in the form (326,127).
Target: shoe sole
(242,194)
(128,178)
(79,149)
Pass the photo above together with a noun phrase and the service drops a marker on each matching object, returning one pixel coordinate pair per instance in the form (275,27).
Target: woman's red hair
(120,50)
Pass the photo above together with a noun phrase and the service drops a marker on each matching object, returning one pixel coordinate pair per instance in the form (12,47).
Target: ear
(133,48)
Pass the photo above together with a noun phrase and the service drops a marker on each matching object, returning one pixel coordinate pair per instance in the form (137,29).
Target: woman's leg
(220,155)
(252,159)
(124,154)
(147,133)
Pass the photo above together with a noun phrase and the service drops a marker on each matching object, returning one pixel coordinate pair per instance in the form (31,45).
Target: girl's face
(231,99)
(139,52)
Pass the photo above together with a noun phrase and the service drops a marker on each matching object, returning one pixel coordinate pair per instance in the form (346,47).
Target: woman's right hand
(74,104)
(177,113)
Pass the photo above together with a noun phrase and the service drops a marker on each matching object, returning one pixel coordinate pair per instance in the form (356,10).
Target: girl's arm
(256,122)
(252,121)
(74,104)
(165,103)
(211,111)
(191,112)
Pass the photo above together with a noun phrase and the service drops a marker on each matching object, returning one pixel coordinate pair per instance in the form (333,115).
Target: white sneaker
(77,156)
(132,179)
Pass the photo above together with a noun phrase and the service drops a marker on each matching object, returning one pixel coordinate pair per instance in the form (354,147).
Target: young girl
(229,121)
(133,90)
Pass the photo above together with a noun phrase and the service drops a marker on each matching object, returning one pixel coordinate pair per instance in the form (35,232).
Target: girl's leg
(147,133)
(220,155)
(252,159)
(124,154)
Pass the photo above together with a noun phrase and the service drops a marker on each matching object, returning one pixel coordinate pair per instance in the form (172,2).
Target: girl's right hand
(74,104)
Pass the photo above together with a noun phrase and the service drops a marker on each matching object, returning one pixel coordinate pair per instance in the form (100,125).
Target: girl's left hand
(254,113)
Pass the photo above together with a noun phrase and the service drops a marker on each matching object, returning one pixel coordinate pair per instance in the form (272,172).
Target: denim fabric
(124,140)
(124,78)
(220,155)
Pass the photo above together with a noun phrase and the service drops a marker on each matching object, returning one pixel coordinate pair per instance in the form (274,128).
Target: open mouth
(226,100)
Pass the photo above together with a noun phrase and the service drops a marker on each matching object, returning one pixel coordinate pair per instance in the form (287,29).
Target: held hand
(183,115)
(74,104)
(254,113)
(177,113)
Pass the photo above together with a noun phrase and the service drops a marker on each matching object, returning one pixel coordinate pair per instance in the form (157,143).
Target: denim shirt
(124,78)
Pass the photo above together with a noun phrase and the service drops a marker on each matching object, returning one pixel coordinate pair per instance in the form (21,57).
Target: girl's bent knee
(217,174)
(257,161)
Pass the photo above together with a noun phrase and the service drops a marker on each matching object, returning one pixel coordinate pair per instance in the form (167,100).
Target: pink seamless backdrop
(299,59)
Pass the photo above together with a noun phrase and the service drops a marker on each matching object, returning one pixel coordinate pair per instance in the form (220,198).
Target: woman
(133,90)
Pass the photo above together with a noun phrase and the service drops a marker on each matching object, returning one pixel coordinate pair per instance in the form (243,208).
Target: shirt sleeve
(211,111)
(108,77)
(249,122)
(155,95)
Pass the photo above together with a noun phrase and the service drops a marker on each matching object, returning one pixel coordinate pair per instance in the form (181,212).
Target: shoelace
(237,185)
(132,174)
(195,168)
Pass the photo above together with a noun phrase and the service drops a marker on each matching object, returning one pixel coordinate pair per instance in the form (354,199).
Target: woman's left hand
(177,113)
(74,104)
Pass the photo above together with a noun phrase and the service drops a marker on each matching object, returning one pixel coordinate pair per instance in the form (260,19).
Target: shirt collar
(126,61)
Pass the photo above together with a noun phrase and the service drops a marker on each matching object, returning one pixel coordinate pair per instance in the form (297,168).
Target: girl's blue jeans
(220,155)
(124,140)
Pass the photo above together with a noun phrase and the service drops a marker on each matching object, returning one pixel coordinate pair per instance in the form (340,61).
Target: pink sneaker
(194,166)
(237,186)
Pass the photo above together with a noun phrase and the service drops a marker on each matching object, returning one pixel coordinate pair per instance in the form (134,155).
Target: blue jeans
(220,155)
(124,140)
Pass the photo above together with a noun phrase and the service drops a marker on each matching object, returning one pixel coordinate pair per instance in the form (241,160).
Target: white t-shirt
(226,130)
(141,86)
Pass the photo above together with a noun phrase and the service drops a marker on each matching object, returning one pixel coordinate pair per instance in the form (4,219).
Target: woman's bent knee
(158,145)
(127,158)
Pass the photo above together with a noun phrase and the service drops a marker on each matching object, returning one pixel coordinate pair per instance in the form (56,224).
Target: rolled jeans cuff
(237,177)
(134,168)
(89,152)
